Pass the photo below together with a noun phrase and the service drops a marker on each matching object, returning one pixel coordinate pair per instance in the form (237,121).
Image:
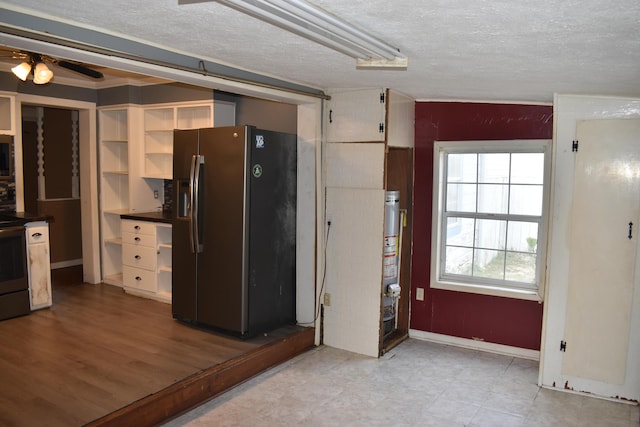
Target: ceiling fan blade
(78,68)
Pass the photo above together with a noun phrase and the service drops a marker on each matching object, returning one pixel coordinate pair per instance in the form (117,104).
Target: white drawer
(138,278)
(138,227)
(38,234)
(139,239)
(139,256)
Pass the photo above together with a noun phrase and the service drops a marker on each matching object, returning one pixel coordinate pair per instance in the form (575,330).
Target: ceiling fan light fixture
(22,70)
(42,74)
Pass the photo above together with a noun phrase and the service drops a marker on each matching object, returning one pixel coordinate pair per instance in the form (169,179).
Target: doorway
(73,210)
(51,181)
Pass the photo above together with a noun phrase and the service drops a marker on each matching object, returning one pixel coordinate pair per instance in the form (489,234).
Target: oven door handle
(17,229)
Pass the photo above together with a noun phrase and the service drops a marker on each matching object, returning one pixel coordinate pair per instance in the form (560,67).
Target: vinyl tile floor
(418,383)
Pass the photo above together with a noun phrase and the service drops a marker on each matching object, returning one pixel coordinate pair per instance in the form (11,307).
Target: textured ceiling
(493,50)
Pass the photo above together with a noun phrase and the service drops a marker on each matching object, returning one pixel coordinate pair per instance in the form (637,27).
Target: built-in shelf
(113,279)
(159,123)
(117,212)
(114,147)
(164,296)
(136,157)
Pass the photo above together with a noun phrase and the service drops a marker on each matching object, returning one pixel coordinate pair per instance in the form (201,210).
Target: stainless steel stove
(14,284)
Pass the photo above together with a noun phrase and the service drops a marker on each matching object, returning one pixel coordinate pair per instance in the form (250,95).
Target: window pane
(527,168)
(462,167)
(491,234)
(526,200)
(460,231)
(521,267)
(461,198)
(458,260)
(488,264)
(493,198)
(487,197)
(522,236)
(493,167)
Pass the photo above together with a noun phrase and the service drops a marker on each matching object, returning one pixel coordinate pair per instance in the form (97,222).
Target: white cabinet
(39,265)
(357,116)
(361,124)
(136,156)
(122,189)
(159,123)
(371,115)
(163,239)
(146,259)
(114,188)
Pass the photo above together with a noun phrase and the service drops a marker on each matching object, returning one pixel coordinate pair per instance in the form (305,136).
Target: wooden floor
(98,350)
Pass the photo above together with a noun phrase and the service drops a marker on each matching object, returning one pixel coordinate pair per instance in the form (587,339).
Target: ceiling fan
(36,63)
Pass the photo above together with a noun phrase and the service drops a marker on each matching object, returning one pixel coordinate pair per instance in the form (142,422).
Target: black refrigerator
(234,228)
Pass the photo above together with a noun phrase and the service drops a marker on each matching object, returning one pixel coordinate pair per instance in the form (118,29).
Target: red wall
(498,320)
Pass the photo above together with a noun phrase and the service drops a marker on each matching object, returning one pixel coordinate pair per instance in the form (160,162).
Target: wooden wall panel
(65,232)
(57,153)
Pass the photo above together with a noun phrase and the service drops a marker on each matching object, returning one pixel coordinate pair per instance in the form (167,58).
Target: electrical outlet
(327,299)
(419,294)
(155,194)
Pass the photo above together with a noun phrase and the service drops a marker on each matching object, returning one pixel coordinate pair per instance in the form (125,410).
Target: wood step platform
(99,356)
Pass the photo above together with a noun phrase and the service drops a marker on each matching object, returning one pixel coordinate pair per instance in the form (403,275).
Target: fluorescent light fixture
(319,26)
(22,71)
(42,74)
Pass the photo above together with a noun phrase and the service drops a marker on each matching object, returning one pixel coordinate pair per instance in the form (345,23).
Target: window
(490,216)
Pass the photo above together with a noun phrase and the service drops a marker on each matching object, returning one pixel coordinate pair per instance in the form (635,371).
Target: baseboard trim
(507,350)
(64,264)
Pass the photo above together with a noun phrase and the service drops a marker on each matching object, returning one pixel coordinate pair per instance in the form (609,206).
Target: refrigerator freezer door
(222,282)
(272,229)
(184,260)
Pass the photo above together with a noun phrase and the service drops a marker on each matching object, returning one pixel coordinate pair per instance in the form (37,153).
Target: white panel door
(354,269)
(355,116)
(602,318)
(355,165)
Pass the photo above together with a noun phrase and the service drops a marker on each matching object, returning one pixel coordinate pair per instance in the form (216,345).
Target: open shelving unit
(163,235)
(159,123)
(136,156)
(114,188)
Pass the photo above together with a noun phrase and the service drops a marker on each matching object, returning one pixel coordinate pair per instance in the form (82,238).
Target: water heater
(391,252)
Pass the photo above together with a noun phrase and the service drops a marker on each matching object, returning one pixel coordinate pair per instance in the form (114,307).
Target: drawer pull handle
(137,239)
(137,257)
(137,227)
(138,278)
(36,235)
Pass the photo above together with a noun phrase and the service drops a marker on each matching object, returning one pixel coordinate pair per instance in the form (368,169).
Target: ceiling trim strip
(47,30)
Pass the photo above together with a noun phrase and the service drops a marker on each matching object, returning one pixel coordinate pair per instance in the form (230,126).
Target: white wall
(309,135)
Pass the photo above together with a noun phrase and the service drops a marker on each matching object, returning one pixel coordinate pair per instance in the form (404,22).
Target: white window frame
(472,286)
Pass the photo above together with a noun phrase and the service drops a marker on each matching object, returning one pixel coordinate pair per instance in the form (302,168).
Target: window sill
(514,293)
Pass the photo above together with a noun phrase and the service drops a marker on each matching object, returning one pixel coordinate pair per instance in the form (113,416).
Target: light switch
(419,294)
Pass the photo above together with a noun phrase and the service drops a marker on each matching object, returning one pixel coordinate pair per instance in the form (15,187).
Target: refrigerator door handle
(195,204)
(192,180)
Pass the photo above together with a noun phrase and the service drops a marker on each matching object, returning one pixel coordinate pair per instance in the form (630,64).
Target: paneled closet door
(602,319)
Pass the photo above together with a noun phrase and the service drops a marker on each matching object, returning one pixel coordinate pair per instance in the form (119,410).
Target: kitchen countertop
(163,216)
(21,218)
